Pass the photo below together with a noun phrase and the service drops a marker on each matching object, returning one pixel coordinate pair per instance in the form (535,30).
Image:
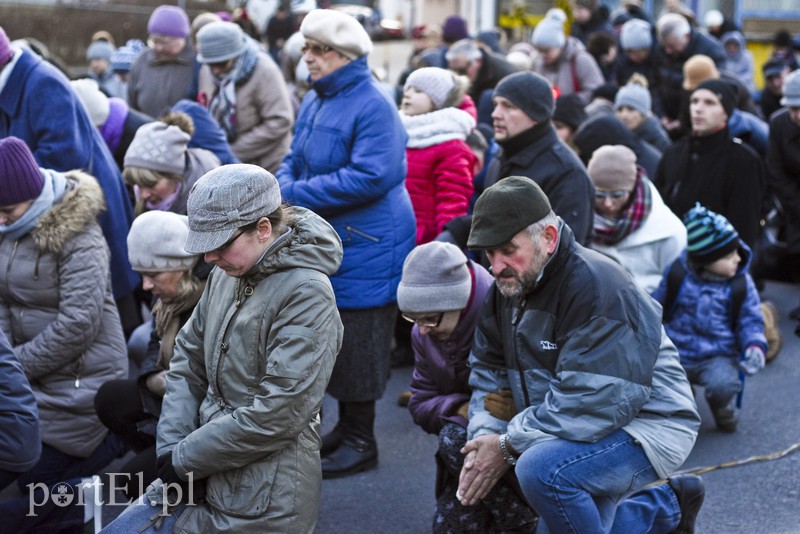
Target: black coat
(561,175)
(722,174)
(783,163)
(670,69)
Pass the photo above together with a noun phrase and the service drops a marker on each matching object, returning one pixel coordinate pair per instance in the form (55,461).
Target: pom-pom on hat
(123,57)
(169,20)
(710,236)
(220,41)
(549,33)
(156,240)
(94,101)
(505,209)
(636,34)
(20,177)
(435,279)
(338,30)
(226,199)
(159,147)
(435,82)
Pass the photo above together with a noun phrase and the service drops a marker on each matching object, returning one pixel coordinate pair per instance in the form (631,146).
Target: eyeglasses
(613,195)
(315,49)
(425,322)
(228,243)
(162,42)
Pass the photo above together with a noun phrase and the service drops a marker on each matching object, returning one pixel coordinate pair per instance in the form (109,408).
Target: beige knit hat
(338,30)
(698,69)
(613,167)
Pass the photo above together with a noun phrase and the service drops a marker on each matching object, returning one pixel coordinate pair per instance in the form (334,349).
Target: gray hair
(465,48)
(672,25)
(536,229)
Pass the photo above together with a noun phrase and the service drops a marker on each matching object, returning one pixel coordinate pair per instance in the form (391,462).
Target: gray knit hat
(435,279)
(225,199)
(99,50)
(636,34)
(613,167)
(158,147)
(549,33)
(791,90)
(505,209)
(220,41)
(634,96)
(530,92)
(435,82)
(155,243)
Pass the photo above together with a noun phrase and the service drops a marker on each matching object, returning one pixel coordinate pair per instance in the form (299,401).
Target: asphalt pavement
(758,497)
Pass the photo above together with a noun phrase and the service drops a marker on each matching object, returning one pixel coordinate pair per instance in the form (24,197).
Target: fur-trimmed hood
(79,206)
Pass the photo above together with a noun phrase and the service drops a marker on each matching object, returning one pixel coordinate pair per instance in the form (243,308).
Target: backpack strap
(675,277)
(738,294)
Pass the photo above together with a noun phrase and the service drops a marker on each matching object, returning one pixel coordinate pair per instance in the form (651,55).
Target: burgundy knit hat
(20,177)
(5,47)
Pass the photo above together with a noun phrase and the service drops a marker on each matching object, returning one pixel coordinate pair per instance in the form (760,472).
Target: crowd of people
(563,235)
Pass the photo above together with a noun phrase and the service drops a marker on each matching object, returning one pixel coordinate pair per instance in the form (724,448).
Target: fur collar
(79,206)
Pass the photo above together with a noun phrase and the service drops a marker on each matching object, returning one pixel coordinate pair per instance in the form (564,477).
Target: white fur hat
(94,101)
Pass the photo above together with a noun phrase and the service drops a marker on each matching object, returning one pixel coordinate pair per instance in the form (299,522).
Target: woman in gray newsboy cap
(238,440)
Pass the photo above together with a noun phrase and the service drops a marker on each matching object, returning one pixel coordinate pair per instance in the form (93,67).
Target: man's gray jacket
(584,354)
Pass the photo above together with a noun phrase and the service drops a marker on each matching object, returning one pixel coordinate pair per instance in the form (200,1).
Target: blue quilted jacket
(348,164)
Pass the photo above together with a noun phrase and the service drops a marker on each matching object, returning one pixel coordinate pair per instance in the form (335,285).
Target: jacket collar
(522,149)
(11,96)
(355,72)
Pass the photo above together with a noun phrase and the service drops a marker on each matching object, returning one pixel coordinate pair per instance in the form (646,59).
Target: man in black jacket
(710,167)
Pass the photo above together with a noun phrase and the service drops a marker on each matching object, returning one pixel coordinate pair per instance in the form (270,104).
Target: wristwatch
(507,456)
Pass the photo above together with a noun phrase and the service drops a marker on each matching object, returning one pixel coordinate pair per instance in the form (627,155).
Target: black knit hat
(725,91)
(710,236)
(570,111)
(504,210)
(530,92)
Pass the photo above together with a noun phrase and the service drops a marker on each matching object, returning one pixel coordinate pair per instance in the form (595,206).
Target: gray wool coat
(58,312)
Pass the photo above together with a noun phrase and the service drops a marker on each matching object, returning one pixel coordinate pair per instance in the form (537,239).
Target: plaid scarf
(612,230)
(223,105)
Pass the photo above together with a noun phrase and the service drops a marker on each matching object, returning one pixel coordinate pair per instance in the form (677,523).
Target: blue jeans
(585,487)
(140,513)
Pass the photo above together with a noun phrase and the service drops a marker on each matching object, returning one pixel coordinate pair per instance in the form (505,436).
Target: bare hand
(157,383)
(483,467)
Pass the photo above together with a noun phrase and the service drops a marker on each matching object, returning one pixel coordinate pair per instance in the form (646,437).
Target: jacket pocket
(353,232)
(243,492)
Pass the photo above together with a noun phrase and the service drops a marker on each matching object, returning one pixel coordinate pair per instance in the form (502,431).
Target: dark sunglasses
(315,49)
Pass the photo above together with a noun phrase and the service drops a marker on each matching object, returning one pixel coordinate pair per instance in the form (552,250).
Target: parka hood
(79,206)
(311,243)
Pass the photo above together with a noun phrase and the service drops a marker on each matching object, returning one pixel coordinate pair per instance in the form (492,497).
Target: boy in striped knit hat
(712,312)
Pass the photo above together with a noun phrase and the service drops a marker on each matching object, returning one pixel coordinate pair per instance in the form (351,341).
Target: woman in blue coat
(347,163)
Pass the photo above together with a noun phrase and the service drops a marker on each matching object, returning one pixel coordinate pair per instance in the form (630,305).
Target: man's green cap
(504,210)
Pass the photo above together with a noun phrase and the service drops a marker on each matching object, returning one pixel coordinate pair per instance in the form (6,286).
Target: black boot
(332,440)
(690,491)
(358,450)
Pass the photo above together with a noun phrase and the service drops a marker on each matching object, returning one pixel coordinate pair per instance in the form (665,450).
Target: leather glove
(500,404)
(463,410)
(167,473)
(752,361)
